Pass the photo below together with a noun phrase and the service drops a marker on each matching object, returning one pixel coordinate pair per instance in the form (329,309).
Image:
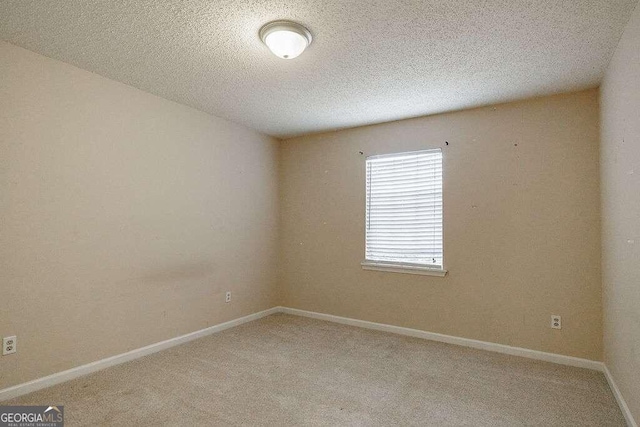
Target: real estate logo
(31,416)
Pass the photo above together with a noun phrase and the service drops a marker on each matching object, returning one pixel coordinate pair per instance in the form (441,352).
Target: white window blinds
(404,208)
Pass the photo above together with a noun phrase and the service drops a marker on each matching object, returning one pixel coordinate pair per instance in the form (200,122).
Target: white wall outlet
(9,345)
(227,297)
(556,321)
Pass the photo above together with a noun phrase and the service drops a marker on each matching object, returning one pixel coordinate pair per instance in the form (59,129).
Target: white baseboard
(57,378)
(482,345)
(465,342)
(621,402)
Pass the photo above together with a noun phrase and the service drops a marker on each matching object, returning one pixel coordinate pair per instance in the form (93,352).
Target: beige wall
(620,168)
(123,217)
(522,225)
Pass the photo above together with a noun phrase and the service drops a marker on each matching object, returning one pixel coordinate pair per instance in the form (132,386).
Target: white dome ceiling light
(285,39)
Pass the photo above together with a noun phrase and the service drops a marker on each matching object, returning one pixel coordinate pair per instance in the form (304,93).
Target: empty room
(319,213)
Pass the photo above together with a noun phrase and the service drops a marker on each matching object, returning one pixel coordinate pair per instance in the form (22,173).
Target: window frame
(403,267)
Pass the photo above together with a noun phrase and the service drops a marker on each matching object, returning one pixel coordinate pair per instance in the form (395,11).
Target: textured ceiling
(370,61)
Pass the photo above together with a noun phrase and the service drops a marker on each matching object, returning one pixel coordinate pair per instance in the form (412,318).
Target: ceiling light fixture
(285,39)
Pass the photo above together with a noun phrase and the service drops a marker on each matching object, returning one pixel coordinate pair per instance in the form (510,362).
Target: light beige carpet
(285,370)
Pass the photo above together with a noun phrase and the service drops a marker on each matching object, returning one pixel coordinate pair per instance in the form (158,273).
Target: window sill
(403,268)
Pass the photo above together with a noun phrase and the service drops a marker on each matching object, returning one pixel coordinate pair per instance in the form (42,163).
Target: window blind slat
(404,208)
(418,182)
(402,173)
(409,196)
(390,162)
(394,205)
(390,239)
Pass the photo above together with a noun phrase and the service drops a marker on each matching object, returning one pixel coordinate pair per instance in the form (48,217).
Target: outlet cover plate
(556,321)
(9,345)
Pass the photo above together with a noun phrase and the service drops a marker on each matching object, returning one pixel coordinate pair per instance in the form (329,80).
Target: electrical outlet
(227,297)
(556,321)
(9,345)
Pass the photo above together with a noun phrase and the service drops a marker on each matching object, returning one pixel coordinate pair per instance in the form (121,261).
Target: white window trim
(403,268)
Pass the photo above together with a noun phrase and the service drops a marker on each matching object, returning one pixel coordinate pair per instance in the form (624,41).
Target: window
(404,213)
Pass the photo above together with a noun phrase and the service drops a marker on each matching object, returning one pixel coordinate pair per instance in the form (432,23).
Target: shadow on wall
(180,273)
